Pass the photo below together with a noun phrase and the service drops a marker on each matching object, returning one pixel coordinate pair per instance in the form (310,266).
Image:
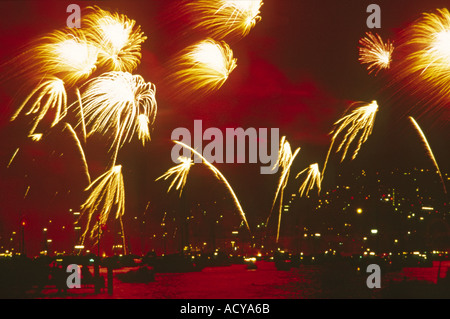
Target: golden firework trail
(285,160)
(119,102)
(203,67)
(81,112)
(428,148)
(51,93)
(12,158)
(117,37)
(107,192)
(225,18)
(360,119)
(374,52)
(313,177)
(73,134)
(425,68)
(181,173)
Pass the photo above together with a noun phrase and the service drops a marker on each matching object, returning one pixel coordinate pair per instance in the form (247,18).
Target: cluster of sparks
(313,177)
(429,64)
(107,192)
(360,119)
(374,52)
(118,38)
(222,19)
(203,67)
(118,104)
(180,173)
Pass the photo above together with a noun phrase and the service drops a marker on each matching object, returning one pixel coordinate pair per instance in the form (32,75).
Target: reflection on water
(263,281)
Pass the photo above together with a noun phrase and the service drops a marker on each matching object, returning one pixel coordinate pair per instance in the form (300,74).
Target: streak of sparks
(73,134)
(362,118)
(12,157)
(183,174)
(428,148)
(118,38)
(203,67)
(81,112)
(106,192)
(374,52)
(51,93)
(285,160)
(313,177)
(225,18)
(180,172)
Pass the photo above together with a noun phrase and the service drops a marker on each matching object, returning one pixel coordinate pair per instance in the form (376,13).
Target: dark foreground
(247,280)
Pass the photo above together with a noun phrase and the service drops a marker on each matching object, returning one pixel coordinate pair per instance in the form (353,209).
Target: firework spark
(119,102)
(51,93)
(313,177)
(12,157)
(285,160)
(374,52)
(362,118)
(106,193)
(117,37)
(73,134)
(425,68)
(203,67)
(182,170)
(36,137)
(225,18)
(428,148)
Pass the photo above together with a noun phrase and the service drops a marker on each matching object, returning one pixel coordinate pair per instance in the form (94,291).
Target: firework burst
(360,119)
(65,54)
(222,19)
(119,102)
(118,38)
(428,148)
(425,67)
(203,67)
(312,177)
(374,52)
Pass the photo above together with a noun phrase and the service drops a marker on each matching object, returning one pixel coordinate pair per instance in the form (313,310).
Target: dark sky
(297,70)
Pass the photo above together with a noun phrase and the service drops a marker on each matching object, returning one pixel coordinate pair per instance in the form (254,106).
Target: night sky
(297,70)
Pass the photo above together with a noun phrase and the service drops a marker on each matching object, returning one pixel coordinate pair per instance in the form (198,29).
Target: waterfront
(266,282)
